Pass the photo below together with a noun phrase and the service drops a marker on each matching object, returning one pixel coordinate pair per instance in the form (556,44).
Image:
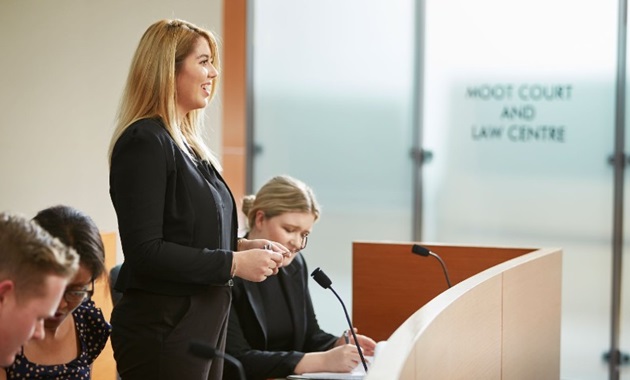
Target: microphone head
(420,250)
(321,278)
(202,350)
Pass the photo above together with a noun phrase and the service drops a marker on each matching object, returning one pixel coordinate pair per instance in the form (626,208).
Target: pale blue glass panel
(333,85)
(519,113)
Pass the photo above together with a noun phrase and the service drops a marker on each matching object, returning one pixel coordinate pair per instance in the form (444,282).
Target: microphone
(204,351)
(422,251)
(324,281)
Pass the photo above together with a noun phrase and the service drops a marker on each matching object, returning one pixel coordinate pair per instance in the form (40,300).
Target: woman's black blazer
(170,215)
(247,329)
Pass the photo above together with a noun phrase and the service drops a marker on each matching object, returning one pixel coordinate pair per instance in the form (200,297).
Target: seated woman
(272,328)
(77,333)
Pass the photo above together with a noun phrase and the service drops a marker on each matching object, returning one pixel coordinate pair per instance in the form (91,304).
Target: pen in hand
(346,338)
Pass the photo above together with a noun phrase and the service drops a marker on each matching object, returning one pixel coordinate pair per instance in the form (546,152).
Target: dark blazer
(170,215)
(247,329)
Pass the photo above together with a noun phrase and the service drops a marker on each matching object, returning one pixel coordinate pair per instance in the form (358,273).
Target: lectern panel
(389,283)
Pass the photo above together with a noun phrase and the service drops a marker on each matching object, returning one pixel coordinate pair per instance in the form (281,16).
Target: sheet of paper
(357,374)
(328,376)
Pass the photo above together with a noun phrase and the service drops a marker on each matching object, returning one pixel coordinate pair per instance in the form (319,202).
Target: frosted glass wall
(519,113)
(332,106)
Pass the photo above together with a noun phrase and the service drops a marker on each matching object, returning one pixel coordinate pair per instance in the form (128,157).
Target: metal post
(249,98)
(618,209)
(417,125)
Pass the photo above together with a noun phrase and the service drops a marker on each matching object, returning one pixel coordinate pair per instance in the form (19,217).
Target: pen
(345,337)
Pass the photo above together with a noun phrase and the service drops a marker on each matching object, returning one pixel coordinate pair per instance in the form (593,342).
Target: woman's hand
(288,258)
(339,359)
(256,264)
(367,344)
(244,244)
(342,359)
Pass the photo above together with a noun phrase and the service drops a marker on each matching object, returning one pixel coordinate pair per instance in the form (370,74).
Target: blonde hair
(28,254)
(279,195)
(150,91)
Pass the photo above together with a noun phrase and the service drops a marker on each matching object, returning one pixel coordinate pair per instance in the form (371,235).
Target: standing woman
(176,216)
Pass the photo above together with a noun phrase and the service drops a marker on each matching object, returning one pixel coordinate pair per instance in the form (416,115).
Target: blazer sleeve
(141,162)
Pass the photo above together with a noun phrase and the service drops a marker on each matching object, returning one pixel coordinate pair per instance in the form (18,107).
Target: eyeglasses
(304,242)
(77,296)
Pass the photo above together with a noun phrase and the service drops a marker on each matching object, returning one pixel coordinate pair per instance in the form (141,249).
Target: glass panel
(519,113)
(332,107)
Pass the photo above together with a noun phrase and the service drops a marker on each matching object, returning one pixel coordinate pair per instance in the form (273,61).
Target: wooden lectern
(500,320)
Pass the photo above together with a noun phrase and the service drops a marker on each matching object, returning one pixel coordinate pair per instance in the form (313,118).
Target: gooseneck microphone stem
(354,335)
(448,280)
(320,277)
(423,251)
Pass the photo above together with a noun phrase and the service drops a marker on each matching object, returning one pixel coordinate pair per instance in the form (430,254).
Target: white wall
(63,68)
